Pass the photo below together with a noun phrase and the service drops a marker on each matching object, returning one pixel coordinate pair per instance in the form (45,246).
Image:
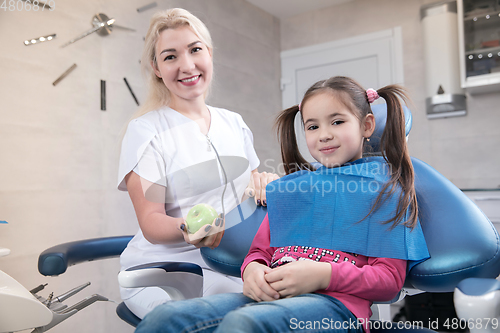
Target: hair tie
(372,95)
(300,106)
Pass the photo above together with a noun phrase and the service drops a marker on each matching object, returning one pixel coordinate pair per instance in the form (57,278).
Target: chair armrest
(181,280)
(57,259)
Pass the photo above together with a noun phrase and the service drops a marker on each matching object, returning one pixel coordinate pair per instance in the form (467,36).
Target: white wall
(59,152)
(464,149)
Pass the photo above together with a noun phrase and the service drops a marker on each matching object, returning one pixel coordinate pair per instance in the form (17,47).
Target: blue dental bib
(326,208)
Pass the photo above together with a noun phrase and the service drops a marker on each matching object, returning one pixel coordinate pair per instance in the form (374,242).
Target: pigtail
(395,151)
(290,154)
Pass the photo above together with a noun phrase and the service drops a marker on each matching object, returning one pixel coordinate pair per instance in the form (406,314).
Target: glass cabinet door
(481,41)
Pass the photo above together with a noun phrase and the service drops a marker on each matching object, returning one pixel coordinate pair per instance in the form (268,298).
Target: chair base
(477,302)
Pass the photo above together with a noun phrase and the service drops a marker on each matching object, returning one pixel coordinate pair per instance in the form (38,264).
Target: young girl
(335,239)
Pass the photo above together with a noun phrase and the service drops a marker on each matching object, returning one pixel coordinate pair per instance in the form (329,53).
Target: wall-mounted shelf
(479,43)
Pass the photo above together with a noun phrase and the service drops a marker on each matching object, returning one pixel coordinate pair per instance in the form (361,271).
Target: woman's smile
(190,81)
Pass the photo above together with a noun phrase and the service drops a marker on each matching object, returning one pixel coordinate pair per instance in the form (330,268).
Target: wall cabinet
(479,43)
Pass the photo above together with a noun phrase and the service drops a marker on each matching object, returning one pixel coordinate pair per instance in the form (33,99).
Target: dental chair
(461,240)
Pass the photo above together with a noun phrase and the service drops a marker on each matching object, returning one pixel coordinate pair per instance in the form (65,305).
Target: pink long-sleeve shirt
(357,281)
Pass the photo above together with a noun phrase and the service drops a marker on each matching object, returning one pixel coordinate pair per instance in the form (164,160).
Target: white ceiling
(286,8)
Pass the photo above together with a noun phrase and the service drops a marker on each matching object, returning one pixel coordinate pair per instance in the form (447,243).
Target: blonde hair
(158,94)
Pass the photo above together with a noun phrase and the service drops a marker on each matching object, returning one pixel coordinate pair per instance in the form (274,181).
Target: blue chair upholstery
(462,241)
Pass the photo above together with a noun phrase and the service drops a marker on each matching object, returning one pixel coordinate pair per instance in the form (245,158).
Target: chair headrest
(380,113)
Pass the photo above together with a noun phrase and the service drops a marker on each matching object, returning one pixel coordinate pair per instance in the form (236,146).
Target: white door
(374,60)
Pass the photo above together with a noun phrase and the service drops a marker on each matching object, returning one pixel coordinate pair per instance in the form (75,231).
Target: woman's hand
(208,235)
(257,186)
(299,277)
(255,285)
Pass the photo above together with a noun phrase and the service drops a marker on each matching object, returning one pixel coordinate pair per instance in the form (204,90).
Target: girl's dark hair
(392,144)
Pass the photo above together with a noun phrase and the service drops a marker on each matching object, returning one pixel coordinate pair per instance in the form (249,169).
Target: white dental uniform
(167,148)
